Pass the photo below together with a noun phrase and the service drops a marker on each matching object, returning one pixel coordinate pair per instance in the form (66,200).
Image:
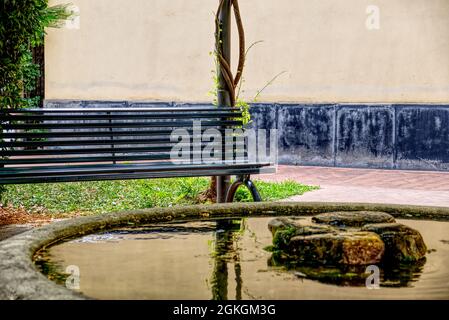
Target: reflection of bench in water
(88,144)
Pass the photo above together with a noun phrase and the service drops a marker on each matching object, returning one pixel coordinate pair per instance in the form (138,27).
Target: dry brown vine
(225,69)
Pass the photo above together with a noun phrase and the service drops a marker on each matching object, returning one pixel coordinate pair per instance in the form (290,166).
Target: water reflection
(226,252)
(224,260)
(400,275)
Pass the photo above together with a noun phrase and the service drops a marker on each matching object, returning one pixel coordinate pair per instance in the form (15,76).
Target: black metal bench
(87,144)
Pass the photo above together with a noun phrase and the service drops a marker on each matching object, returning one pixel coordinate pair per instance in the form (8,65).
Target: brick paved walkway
(368,185)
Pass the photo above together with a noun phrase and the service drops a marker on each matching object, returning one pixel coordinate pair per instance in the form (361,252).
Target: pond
(228,259)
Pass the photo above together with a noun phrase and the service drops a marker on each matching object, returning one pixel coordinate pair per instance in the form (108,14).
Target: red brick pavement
(368,185)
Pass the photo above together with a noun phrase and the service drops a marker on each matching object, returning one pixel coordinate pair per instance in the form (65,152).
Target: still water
(226,259)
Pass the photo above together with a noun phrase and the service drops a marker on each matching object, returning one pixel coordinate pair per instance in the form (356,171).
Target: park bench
(50,145)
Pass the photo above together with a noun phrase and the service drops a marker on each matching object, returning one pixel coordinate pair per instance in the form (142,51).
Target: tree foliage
(22,27)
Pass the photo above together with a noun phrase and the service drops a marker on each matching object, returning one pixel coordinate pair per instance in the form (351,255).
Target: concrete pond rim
(20,278)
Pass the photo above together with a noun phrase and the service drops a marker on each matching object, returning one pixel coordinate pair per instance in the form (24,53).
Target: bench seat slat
(141,175)
(110,165)
(123,168)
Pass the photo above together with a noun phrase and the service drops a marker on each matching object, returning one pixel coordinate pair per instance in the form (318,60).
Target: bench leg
(245,179)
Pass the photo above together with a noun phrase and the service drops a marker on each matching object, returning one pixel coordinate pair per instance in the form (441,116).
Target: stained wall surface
(396,51)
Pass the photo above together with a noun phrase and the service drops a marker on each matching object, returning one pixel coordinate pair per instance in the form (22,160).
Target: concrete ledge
(20,279)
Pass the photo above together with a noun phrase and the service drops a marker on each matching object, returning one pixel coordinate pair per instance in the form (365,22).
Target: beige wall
(159,49)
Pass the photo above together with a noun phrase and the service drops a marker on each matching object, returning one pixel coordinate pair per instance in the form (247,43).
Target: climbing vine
(225,69)
(231,81)
(234,83)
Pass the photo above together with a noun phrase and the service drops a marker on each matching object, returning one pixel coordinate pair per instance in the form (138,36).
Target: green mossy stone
(301,226)
(353,218)
(403,244)
(281,223)
(349,248)
(346,238)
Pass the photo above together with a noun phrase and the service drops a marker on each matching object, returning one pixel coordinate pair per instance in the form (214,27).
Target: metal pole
(112,137)
(223,95)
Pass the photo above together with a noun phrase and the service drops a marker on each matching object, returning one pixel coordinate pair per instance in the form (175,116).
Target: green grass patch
(107,196)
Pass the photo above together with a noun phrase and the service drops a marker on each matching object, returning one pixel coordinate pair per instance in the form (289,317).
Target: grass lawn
(107,196)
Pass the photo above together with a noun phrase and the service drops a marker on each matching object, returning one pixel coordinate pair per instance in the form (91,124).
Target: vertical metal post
(223,95)
(2,187)
(112,137)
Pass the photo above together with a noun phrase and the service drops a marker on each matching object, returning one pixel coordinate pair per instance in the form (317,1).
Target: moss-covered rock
(353,218)
(403,244)
(351,248)
(284,229)
(346,238)
(281,223)
(362,248)
(302,227)
(282,237)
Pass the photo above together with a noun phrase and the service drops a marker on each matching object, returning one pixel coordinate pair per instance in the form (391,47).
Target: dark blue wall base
(384,136)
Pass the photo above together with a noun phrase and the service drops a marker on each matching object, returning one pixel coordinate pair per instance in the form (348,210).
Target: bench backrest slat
(119,110)
(63,124)
(104,135)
